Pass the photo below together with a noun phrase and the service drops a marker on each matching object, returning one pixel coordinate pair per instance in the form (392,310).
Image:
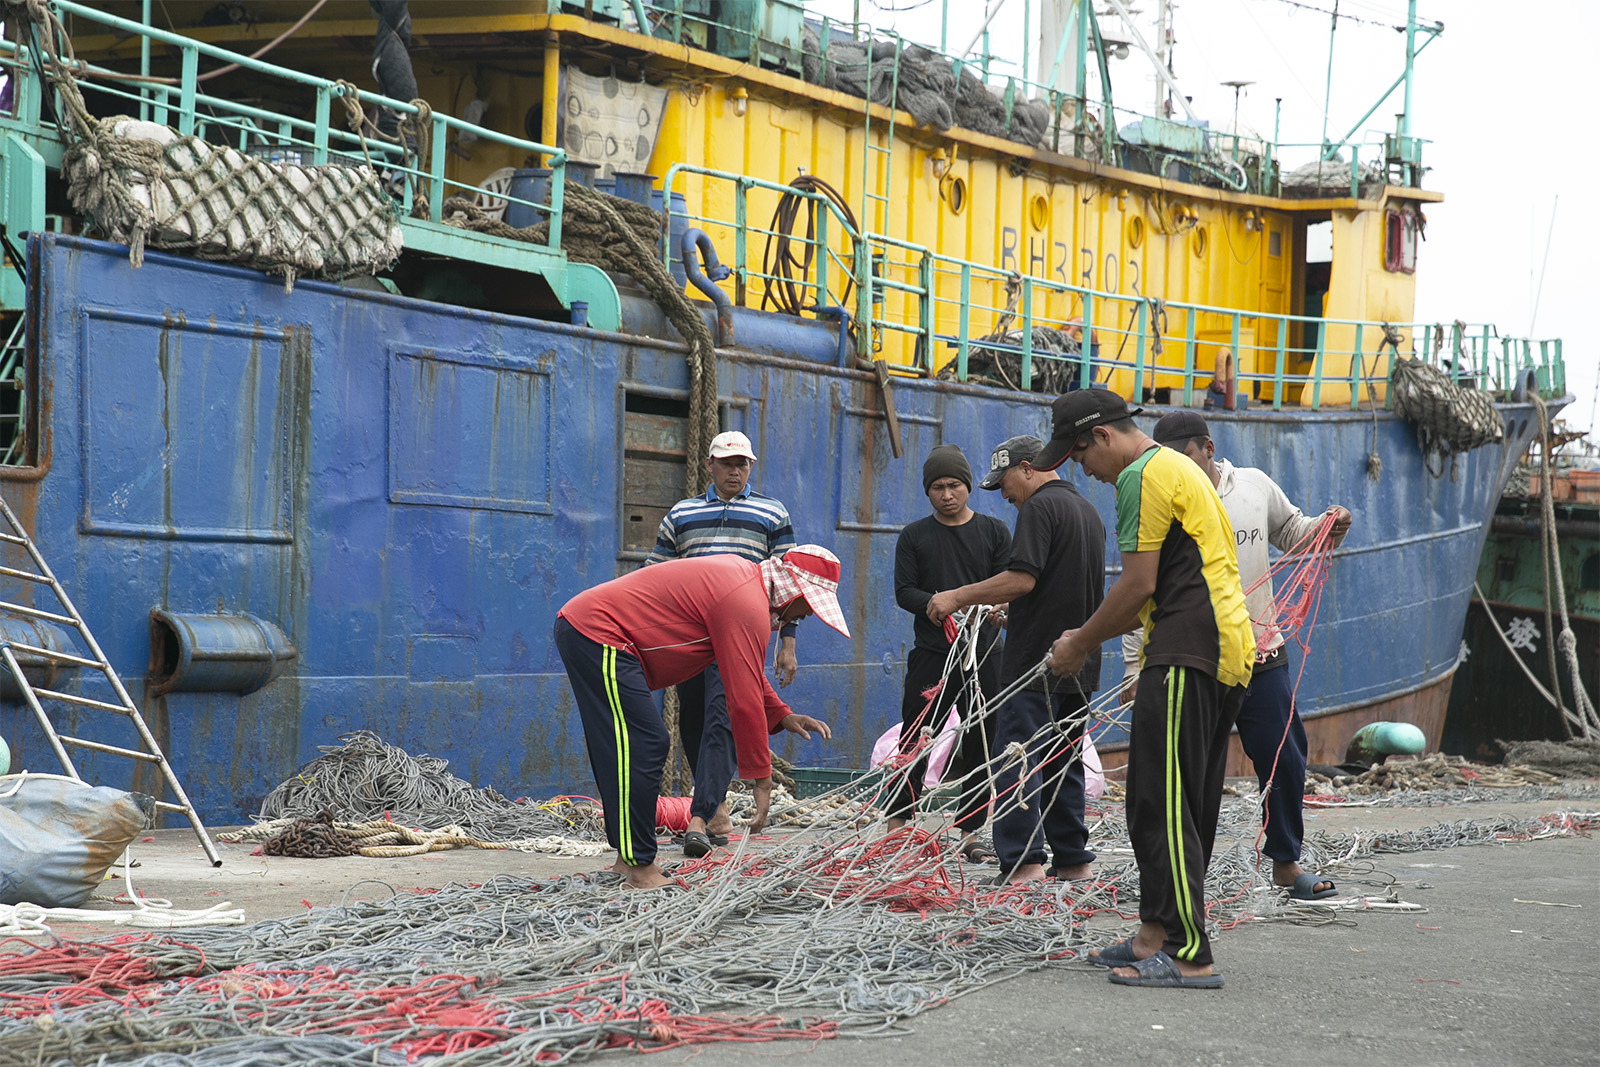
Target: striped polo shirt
(752,526)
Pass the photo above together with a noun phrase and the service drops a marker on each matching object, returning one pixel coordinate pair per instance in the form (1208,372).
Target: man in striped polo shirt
(730,518)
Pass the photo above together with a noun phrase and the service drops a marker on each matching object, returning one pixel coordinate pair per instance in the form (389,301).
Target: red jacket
(681,616)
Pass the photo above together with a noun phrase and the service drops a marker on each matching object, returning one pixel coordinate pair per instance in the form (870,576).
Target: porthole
(1197,241)
(1135,232)
(1039,212)
(957,196)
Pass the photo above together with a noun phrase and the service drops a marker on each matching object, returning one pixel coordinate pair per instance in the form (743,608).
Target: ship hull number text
(1056,256)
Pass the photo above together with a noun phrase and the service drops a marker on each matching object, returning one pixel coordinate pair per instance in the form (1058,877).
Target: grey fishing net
(143,184)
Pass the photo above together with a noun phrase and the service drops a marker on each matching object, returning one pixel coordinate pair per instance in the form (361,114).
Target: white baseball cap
(731,443)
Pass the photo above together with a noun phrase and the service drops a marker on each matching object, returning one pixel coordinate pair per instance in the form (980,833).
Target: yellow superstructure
(1008,211)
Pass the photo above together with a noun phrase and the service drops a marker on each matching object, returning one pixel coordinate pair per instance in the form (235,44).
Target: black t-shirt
(1061,541)
(931,557)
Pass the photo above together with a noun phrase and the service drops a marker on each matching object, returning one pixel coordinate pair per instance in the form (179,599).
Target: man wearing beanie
(1270,732)
(952,547)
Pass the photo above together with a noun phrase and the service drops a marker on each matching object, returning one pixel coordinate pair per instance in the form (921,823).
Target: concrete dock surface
(1501,969)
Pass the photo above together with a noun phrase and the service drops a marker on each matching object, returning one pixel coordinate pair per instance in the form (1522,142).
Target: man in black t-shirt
(1055,578)
(953,547)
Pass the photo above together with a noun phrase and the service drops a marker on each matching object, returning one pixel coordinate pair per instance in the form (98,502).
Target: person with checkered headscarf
(662,624)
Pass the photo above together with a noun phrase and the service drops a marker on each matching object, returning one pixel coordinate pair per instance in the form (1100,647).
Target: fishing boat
(292,504)
(1514,683)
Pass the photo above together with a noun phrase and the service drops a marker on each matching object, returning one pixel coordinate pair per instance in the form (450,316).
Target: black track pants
(1177,752)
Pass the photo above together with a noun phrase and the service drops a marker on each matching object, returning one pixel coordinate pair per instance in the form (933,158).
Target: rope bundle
(928,87)
(1449,419)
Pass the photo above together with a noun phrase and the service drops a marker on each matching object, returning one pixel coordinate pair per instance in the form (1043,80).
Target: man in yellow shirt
(1180,577)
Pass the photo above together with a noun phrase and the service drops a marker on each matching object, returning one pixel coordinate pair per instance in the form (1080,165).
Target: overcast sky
(1498,95)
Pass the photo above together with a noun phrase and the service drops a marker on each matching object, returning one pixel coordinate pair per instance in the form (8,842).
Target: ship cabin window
(1274,243)
(1400,241)
(1589,574)
(1318,279)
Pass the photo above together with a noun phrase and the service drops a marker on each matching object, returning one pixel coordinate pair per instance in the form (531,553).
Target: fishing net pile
(997,357)
(1331,177)
(1450,419)
(1575,758)
(927,87)
(1437,771)
(828,933)
(364,781)
(145,185)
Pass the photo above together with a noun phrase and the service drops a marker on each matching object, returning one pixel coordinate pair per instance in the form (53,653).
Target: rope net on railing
(146,185)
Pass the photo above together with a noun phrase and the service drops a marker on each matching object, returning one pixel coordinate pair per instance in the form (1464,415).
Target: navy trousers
(924,669)
(1177,753)
(1264,718)
(707,738)
(1054,812)
(624,734)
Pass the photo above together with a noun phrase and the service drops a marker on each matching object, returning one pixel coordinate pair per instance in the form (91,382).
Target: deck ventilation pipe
(214,653)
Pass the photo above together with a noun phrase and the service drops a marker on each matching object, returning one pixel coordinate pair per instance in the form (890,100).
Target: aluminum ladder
(877,167)
(150,752)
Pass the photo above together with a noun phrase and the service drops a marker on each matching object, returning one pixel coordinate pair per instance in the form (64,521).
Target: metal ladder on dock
(150,750)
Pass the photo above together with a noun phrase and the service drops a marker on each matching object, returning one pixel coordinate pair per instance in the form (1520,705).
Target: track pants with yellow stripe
(1177,753)
(626,738)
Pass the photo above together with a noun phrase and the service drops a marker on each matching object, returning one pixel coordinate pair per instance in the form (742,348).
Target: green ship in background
(1494,700)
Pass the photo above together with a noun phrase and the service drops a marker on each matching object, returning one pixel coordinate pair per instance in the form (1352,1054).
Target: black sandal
(977,853)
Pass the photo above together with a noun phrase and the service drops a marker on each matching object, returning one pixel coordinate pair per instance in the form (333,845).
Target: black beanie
(945,461)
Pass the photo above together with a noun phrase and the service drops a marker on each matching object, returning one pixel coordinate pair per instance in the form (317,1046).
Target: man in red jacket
(661,625)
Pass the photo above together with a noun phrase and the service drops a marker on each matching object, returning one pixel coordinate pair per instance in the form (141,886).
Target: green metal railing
(183,105)
(950,306)
(1074,113)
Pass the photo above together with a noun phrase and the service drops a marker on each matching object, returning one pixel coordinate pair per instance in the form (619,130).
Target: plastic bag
(1094,779)
(58,837)
(938,755)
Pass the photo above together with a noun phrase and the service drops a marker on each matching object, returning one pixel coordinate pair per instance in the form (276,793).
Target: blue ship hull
(411,490)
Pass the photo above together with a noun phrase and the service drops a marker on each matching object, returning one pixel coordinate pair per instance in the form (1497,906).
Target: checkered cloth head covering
(810,571)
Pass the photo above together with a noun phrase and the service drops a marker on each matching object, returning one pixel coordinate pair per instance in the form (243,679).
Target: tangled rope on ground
(322,837)
(364,779)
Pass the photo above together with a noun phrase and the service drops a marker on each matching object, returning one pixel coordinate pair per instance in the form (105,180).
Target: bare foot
(720,824)
(896,824)
(1077,872)
(1028,872)
(646,876)
(618,866)
(697,825)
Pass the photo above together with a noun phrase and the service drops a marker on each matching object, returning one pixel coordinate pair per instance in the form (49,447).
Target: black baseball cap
(1179,426)
(1075,414)
(1013,452)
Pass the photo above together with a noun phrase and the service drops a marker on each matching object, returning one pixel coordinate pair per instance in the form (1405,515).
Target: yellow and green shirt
(1197,617)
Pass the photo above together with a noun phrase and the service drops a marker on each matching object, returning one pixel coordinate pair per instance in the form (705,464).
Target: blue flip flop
(1159,972)
(1118,955)
(1305,886)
